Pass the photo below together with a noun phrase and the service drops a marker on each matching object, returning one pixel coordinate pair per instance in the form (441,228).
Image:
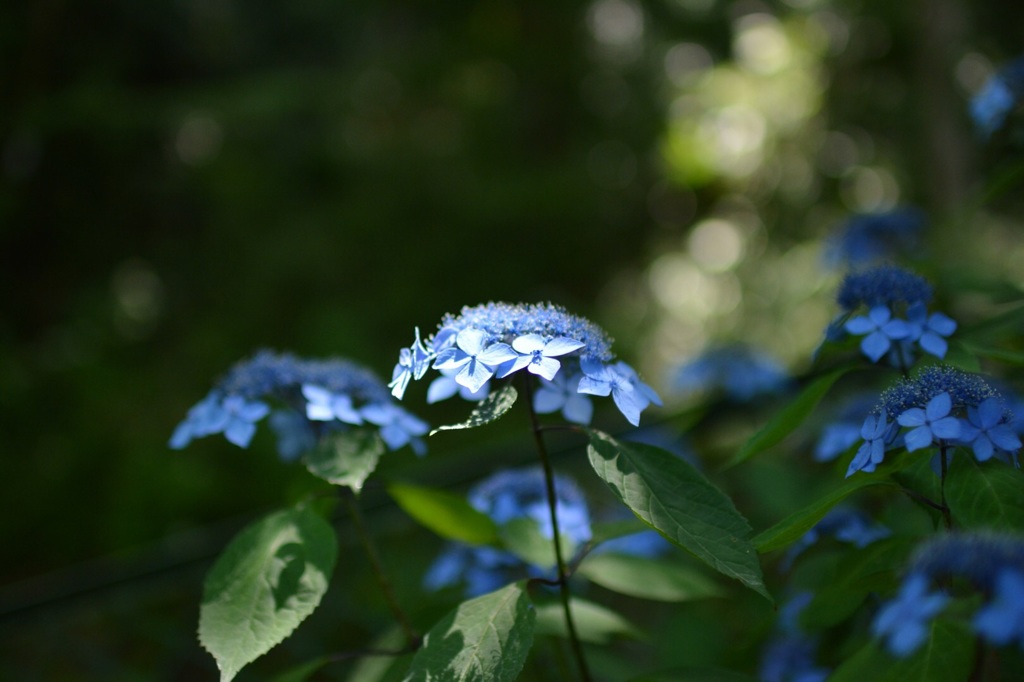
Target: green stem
(411,637)
(563,573)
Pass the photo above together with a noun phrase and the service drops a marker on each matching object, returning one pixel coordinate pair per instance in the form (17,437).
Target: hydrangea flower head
(315,397)
(495,340)
(999,96)
(740,372)
(874,237)
(894,320)
(993,563)
(939,407)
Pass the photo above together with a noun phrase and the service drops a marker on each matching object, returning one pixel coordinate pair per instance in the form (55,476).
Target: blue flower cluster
(506,496)
(571,357)
(315,396)
(741,373)
(789,655)
(942,407)
(992,563)
(870,238)
(895,317)
(843,432)
(1000,95)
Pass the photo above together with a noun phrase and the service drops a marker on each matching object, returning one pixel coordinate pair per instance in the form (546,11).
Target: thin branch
(563,573)
(411,637)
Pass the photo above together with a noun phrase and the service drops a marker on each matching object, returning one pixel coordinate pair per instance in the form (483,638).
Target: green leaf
(657,579)
(346,458)
(669,494)
(1009,357)
(447,514)
(603,531)
(486,639)
(490,408)
(947,656)
(792,528)
(985,495)
(594,623)
(859,572)
(788,418)
(268,580)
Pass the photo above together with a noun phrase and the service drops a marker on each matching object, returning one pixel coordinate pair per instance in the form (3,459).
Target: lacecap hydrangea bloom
(999,96)
(990,563)
(570,356)
(888,306)
(845,525)
(506,496)
(941,407)
(872,237)
(305,399)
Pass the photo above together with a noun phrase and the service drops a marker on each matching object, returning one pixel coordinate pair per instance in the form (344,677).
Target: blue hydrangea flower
(397,427)
(1001,620)
(932,424)
(741,373)
(929,331)
(940,406)
(1000,95)
(897,319)
(993,563)
(903,622)
(987,430)
(562,394)
(445,386)
(869,238)
(316,397)
(496,340)
(324,406)
(879,330)
(618,380)
(878,434)
(506,496)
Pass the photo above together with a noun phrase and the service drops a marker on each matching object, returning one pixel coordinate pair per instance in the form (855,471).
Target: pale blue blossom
(562,393)
(997,98)
(445,386)
(475,359)
(1001,620)
(878,433)
(933,424)
(617,381)
(929,331)
(324,406)
(538,355)
(879,330)
(988,430)
(904,622)
(397,427)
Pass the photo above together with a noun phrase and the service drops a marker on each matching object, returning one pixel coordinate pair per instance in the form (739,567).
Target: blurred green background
(182,183)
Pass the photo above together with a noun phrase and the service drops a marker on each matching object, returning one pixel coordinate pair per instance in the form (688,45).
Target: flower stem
(563,573)
(412,639)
